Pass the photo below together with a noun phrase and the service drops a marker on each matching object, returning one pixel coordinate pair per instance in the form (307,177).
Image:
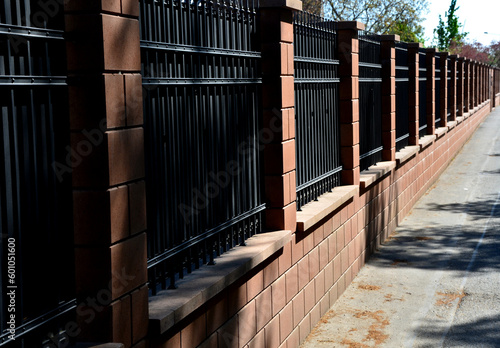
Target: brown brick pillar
(460,85)
(443,92)
(348,50)
(430,54)
(107,142)
(453,86)
(467,95)
(279,115)
(388,56)
(413,87)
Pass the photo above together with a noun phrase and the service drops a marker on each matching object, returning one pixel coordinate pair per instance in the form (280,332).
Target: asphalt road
(436,282)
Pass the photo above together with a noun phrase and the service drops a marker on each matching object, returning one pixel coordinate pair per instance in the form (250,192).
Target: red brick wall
(278,304)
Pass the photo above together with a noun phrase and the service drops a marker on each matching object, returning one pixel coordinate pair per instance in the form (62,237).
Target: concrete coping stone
(327,203)
(460,119)
(374,173)
(452,124)
(466,115)
(441,131)
(406,153)
(169,307)
(426,141)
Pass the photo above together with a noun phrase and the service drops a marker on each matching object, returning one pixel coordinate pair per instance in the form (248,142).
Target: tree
(471,50)
(313,6)
(448,34)
(494,54)
(408,32)
(381,16)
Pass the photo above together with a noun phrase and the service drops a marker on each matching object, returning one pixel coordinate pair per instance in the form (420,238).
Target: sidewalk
(436,281)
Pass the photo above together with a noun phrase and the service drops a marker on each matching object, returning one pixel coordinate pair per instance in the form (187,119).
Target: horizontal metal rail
(319,178)
(196,81)
(170,47)
(154,261)
(305,80)
(15,80)
(316,60)
(372,152)
(31,32)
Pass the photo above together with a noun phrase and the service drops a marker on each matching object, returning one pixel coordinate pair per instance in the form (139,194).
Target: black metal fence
(316,106)
(402,93)
(422,89)
(450,94)
(437,88)
(35,190)
(201,76)
(370,100)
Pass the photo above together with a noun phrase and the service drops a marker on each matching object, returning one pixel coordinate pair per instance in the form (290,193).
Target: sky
(477,16)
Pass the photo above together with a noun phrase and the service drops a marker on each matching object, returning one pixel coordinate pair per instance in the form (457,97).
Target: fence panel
(370,100)
(201,75)
(422,87)
(35,190)
(437,88)
(449,83)
(316,106)
(402,81)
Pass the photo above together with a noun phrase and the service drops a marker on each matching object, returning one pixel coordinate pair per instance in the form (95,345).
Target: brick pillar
(388,56)
(453,86)
(460,85)
(467,95)
(278,104)
(348,50)
(413,75)
(430,54)
(107,143)
(443,92)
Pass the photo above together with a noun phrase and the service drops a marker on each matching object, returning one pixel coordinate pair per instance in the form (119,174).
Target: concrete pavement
(436,281)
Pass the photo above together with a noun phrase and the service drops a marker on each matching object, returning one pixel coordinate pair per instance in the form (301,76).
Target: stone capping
(466,115)
(426,141)
(460,119)
(315,211)
(406,153)
(169,307)
(287,4)
(442,131)
(452,124)
(372,174)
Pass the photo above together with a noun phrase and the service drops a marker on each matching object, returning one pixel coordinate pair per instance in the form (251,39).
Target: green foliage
(403,17)
(408,32)
(448,34)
